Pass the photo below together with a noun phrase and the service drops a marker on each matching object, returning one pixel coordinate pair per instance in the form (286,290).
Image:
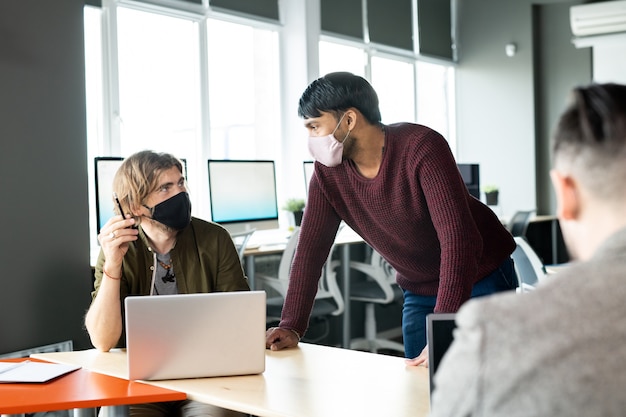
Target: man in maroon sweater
(398,187)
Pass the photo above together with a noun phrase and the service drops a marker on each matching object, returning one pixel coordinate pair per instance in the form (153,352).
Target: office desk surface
(267,242)
(79,389)
(306,381)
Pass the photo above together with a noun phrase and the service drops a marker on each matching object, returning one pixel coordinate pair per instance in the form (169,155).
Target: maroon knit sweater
(417,213)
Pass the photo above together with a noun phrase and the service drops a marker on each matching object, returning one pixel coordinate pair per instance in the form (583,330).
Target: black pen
(119,206)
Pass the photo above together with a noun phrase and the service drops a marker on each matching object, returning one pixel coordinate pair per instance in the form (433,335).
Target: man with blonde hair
(155,247)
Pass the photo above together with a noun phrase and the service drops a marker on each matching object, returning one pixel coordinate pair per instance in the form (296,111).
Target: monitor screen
(243,194)
(105,169)
(471,176)
(440,335)
(309,167)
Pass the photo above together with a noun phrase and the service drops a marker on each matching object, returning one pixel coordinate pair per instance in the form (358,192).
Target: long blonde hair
(138,176)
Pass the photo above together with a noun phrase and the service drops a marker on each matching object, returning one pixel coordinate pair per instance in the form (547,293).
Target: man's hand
(277,338)
(422,359)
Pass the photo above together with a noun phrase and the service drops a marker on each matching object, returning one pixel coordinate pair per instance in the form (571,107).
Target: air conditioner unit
(598,18)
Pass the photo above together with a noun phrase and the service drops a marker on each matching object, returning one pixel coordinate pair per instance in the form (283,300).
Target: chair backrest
(241,241)
(519,222)
(530,270)
(379,270)
(287,257)
(327,286)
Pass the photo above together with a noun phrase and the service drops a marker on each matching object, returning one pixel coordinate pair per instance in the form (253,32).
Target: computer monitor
(309,167)
(105,168)
(243,194)
(471,177)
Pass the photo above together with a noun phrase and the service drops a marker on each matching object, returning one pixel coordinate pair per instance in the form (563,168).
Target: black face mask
(175,212)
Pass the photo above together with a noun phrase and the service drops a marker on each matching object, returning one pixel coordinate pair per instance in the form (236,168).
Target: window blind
(390,23)
(342,17)
(262,8)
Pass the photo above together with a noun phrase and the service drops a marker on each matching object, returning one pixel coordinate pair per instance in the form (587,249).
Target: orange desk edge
(79,389)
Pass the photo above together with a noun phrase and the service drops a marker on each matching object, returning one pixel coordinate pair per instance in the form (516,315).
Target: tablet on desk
(440,334)
(27,371)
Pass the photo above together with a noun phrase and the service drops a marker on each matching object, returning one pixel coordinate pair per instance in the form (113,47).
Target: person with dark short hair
(558,350)
(398,187)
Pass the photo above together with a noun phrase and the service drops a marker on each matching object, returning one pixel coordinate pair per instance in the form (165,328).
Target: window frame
(371,50)
(291,26)
(108,141)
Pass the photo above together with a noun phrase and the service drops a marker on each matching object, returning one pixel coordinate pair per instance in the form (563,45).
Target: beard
(161,227)
(349,147)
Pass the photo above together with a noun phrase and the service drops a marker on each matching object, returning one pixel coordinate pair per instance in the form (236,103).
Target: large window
(394,81)
(205,83)
(243,91)
(159,84)
(195,86)
(340,57)
(94,98)
(409,89)
(435,99)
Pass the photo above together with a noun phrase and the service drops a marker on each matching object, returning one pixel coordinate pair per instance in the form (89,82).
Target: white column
(299,66)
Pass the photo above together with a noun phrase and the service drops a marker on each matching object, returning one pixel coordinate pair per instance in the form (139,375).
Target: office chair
(379,287)
(519,222)
(241,241)
(530,270)
(329,299)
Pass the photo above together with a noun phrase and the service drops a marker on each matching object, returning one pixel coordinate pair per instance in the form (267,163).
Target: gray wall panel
(497,122)
(44,234)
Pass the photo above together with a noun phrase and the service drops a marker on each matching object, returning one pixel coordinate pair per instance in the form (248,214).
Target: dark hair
(591,133)
(337,92)
(596,117)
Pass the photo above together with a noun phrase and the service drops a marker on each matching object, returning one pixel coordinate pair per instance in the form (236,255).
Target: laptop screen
(440,328)
(196,335)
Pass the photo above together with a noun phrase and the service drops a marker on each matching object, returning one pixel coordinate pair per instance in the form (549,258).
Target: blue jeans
(417,307)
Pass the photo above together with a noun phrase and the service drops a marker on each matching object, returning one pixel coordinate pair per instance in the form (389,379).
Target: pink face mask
(326,149)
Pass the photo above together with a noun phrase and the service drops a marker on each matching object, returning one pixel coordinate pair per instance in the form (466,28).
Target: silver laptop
(440,334)
(195,335)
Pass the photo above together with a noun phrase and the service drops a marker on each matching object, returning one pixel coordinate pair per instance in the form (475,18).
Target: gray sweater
(557,351)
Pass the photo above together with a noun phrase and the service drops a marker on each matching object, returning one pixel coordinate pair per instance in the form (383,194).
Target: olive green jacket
(204,258)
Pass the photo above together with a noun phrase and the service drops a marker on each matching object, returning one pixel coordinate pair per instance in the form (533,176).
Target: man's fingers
(422,359)
(277,338)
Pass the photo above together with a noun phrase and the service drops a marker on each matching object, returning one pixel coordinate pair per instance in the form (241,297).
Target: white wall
(506,106)
(495,109)
(609,58)
(299,67)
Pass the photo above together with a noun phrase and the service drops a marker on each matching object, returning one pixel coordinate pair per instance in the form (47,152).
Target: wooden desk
(307,381)
(79,389)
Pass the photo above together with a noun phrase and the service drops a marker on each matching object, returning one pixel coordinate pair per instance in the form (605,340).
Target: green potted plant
(296,207)
(491,194)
